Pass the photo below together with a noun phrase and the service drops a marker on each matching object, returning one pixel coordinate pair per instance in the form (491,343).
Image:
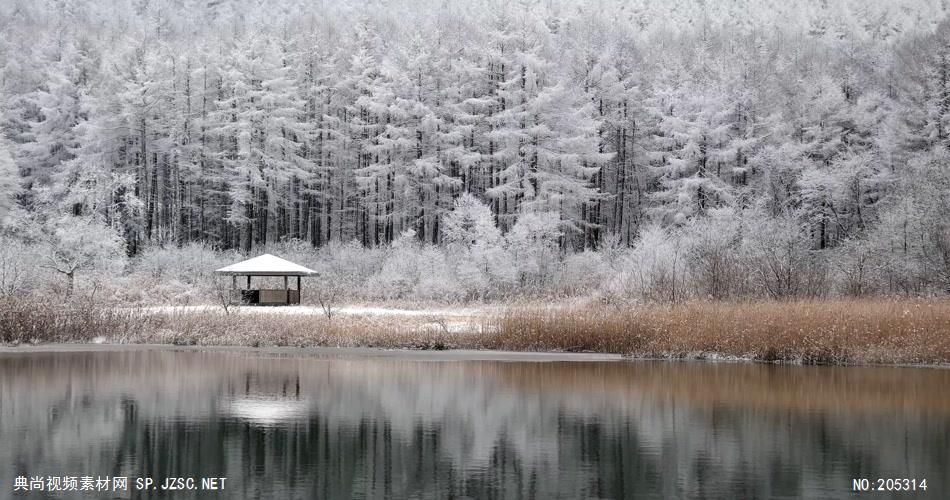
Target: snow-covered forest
(468,148)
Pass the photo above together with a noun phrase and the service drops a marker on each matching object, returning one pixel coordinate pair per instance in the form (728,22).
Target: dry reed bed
(35,324)
(826,332)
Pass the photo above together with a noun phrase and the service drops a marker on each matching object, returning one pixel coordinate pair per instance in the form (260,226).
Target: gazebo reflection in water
(266,401)
(266,265)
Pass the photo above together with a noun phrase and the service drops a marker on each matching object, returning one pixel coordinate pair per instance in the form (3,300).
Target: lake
(367,424)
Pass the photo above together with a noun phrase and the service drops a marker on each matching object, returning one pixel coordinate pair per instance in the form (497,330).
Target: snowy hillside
(713,148)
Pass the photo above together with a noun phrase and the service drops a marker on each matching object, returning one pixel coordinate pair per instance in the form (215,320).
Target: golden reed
(811,332)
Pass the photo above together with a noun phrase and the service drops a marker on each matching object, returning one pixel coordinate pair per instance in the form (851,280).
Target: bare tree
(222,293)
(74,243)
(332,288)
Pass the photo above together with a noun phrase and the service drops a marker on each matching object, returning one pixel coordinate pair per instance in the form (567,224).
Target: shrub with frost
(343,271)
(173,274)
(412,270)
(655,268)
(533,245)
(189,263)
(19,270)
(581,273)
(713,246)
(474,247)
(483,271)
(780,258)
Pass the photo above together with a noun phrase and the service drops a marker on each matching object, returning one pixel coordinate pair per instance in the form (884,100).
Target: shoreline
(840,332)
(429,355)
(336,352)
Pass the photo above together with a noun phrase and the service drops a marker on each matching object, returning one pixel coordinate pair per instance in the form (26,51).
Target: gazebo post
(299,296)
(248,281)
(233,282)
(286,287)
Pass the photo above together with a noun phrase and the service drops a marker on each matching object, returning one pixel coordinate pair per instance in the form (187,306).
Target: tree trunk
(70,280)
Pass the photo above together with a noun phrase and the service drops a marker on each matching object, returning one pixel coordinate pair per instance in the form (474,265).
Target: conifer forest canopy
(822,126)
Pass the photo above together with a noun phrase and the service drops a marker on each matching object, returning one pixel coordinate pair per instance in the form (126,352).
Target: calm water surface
(319,425)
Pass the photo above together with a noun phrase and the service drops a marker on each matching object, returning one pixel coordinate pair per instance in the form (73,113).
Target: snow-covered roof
(266,265)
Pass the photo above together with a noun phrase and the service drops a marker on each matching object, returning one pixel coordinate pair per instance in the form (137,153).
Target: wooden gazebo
(266,265)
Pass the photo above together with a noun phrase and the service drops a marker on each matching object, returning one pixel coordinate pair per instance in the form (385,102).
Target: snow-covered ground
(450,319)
(350,310)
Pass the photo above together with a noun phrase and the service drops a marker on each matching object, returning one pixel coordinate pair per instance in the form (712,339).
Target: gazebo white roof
(266,265)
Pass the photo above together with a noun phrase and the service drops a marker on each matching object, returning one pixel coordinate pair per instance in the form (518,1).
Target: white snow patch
(347,310)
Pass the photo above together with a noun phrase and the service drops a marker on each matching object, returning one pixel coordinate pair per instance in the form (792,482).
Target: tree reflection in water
(302,426)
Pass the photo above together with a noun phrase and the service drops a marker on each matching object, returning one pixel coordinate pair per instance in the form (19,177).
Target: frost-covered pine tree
(693,147)
(9,183)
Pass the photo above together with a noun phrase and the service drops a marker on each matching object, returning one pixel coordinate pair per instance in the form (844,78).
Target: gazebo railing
(266,296)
